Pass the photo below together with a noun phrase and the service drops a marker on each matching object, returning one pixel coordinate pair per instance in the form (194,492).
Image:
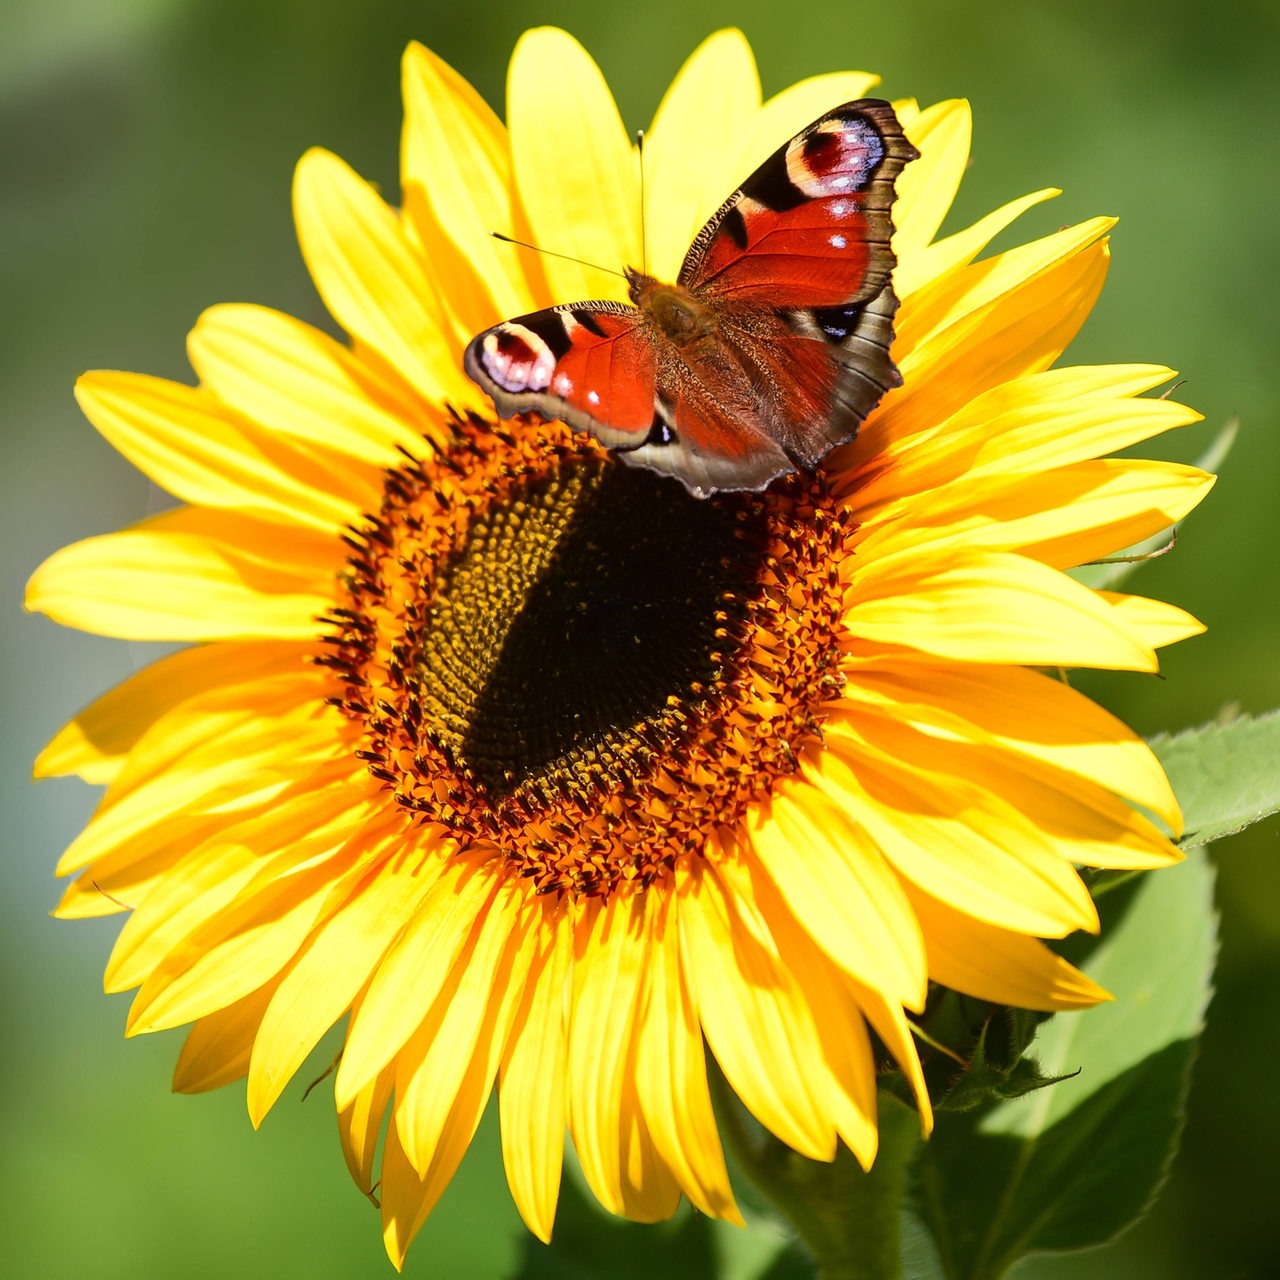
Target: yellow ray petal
(216,1050)
(611,951)
(336,964)
(253,937)
(980,606)
(754,1017)
(229,762)
(941,133)
(156,582)
(201,452)
(1028,713)
(1066,517)
(558,105)
(371,279)
(95,744)
(533,1088)
(962,293)
(454,153)
(671,1076)
(846,1073)
(966,844)
(1033,424)
(836,882)
(649,1188)
(1021,331)
(919,264)
(891,1025)
(409,1196)
(1151,622)
(360,1126)
(413,973)
(993,964)
(299,382)
(690,159)
(1086,822)
(441,1051)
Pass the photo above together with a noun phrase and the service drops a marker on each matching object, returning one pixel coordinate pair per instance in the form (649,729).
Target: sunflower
(540,771)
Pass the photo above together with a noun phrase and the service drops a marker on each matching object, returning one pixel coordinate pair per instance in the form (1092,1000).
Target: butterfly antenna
(644,240)
(551,253)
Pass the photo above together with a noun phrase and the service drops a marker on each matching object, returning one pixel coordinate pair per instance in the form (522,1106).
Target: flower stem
(850,1221)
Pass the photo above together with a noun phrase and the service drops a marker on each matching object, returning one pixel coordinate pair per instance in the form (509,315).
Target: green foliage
(1224,774)
(1070,1166)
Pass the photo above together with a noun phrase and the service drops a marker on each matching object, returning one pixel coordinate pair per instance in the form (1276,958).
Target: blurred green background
(146,150)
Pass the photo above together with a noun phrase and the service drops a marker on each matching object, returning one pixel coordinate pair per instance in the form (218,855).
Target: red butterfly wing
(797,264)
(590,365)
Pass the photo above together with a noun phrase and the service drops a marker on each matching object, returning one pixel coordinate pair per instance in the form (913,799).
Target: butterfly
(770,348)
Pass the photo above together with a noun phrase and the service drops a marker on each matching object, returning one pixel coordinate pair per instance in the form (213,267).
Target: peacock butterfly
(768,351)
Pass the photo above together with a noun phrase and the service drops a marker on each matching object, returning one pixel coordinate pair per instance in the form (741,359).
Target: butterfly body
(768,350)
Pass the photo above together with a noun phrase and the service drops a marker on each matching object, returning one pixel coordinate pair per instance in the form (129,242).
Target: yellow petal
(559,105)
(533,1088)
(941,133)
(372,280)
(991,607)
(252,938)
(300,382)
(1033,424)
(1027,713)
(216,1050)
(919,264)
(671,1076)
(441,1052)
(754,1017)
(690,161)
(160,582)
(413,973)
(360,1127)
(838,885)
(454,155)
(1085,822)
(1151,622)
(950,349)
(846,1072)
(210,758)
(95,744)
(203,453)
(335,966)
(1070,516)
(611,951)
(994,964)
(409,1196)
(970,847)
(891,1025)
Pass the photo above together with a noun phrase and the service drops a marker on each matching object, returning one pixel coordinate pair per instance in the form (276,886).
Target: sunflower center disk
(576,661)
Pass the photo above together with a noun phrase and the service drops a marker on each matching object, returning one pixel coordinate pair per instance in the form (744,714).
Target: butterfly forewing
(789,307)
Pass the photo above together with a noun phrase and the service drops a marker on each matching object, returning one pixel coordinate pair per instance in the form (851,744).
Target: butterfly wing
(590,364)
(797,264)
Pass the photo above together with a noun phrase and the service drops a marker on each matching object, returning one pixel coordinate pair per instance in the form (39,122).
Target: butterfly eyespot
(517,359)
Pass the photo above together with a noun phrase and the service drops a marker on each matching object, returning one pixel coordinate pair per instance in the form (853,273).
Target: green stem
(851,1221)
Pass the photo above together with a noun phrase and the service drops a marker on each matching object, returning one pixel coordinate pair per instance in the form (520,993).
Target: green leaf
(1226,775)
(1070,1166)
(1107,575)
